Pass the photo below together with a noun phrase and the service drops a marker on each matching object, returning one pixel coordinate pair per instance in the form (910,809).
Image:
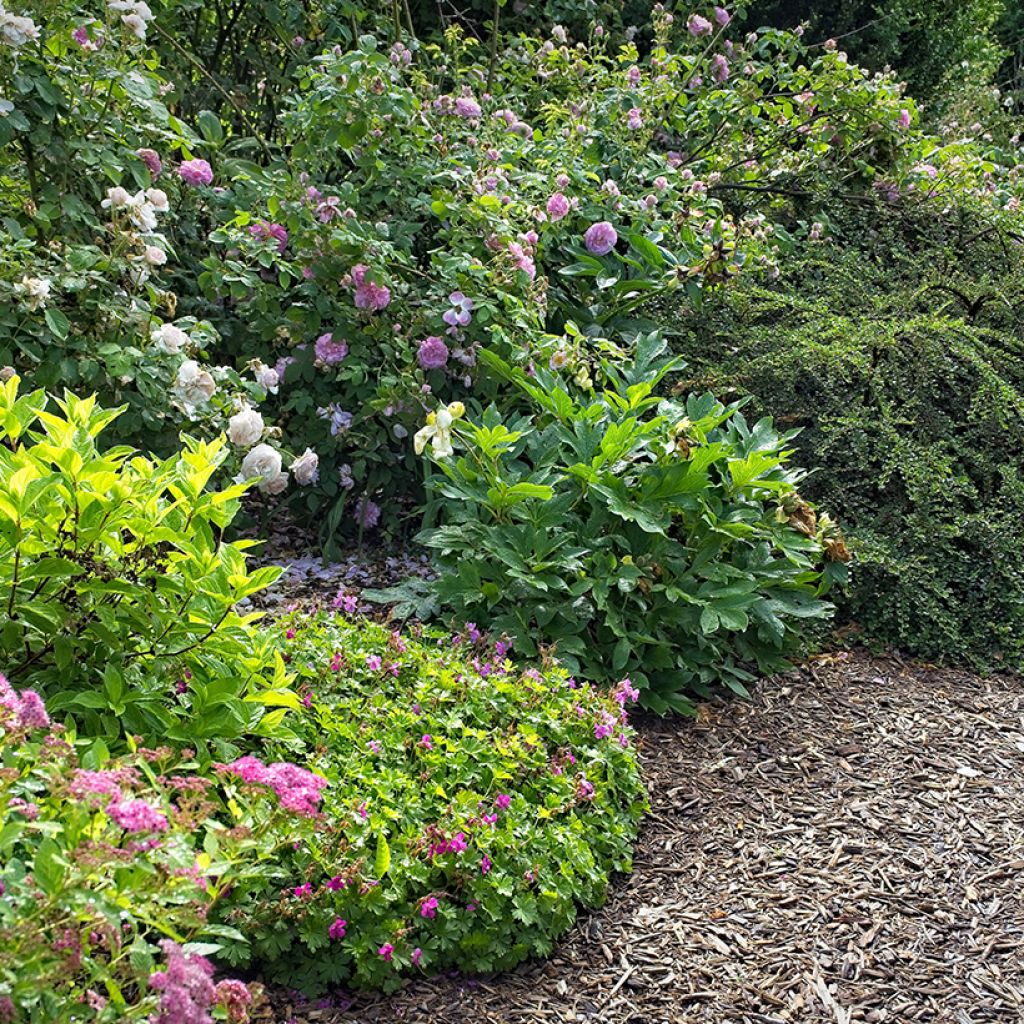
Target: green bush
(664,539)
(107,866)
(902,358)
(473,805)
(116,582)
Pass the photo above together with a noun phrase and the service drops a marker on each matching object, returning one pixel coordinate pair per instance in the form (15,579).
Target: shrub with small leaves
(474,803)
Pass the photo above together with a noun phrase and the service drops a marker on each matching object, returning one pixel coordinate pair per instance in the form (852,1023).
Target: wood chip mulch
(847,846)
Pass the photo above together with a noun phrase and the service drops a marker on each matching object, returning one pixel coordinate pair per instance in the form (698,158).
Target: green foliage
(665,539)
(473,805)
(900,354)
(102,860)
(116,582)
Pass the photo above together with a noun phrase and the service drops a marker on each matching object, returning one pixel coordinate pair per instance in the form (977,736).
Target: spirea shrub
(119,593)
(110,871)
(473,805)
(663,538)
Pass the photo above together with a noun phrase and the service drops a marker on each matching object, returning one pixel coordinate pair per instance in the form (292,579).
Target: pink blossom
(720,68)
(417,955)
(328,351)
(698,26)
(27,707)
(195,172)
(503,801)
(634,119)
(485,864)
(467,107)
(427,742)
(137,816)
(722,17)
(337,928)
(151,159)
(432,353)
(387,951)
(368,295)
(263,231)
(235,997)
(186,987)
(600,238)
(904,118)
(428,908)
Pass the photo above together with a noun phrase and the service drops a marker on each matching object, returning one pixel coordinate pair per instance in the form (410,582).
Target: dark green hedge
(906,371)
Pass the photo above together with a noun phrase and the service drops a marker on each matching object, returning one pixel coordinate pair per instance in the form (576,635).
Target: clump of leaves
(662,538)
(119,593)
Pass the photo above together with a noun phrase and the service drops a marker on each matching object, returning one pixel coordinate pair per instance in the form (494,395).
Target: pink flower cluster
(298,790)
(368,295)
(432,353)
(137,816)
(26,708)
(600,238)
(187,991)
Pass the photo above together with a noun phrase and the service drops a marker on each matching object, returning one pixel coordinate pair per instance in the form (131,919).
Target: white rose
(158,199)
(16,30)
(169,338)
(275,485)
(306,468)
(193,386)
(264,462)
(267,377)
(154,256)
(135,24)
(141,212)
(245,428)
(36,291)
(117,198)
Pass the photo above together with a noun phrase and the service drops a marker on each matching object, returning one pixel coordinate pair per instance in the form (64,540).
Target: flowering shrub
(109,873)
(119,596)
(662,538)
(424,217)
(473,804)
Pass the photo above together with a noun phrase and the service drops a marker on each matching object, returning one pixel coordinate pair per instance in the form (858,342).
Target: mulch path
(847,846)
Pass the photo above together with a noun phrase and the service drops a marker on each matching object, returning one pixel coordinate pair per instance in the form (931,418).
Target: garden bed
(848,846)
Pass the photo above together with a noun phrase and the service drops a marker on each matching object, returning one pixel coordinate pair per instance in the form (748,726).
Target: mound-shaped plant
(473,805)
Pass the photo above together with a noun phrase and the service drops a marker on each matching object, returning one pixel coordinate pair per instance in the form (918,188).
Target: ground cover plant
(473,804)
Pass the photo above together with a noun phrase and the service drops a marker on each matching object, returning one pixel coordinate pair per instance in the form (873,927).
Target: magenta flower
(698,26)
(27,707)
(151,159)
(186,987)
(634,119)
(368,295)
(427,742)
(387,951)
(335,884)
(904,118)
(137,816)
(626,691)
(195,172)
(417,955)
(264,231)
(337,928)
(428,908)
(373,662)
(433,353)
(458,843)
(485,865)
(722,17)
(558,206)
(502,802)
(600,238)
(300,892)
(328,351)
